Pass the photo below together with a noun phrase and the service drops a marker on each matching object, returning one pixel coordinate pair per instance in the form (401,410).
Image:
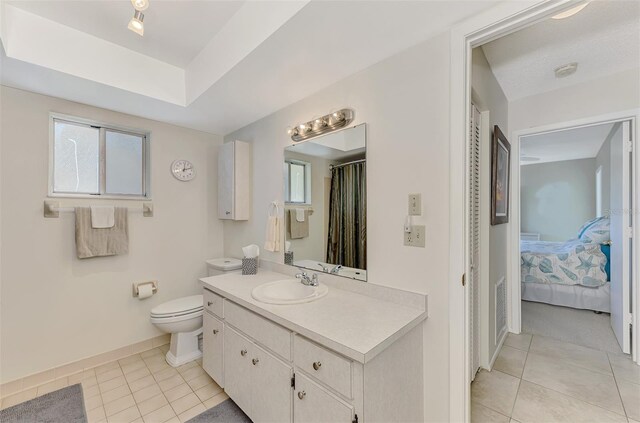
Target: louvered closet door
(474,238)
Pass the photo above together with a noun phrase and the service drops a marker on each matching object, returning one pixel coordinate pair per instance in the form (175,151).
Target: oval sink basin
(288,291)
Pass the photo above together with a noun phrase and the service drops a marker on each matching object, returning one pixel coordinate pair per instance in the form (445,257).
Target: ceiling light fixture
(322,125)
(570,12)
(140,5)
(566,70)
(136,23)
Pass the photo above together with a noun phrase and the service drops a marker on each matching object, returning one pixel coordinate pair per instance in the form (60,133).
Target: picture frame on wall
(500,177)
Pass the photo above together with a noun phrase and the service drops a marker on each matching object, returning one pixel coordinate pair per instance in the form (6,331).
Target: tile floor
(540,379)
(139,388)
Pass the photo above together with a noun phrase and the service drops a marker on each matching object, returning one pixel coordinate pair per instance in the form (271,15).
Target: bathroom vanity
(354,355)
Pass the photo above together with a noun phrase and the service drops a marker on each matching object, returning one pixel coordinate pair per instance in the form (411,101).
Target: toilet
(182,317)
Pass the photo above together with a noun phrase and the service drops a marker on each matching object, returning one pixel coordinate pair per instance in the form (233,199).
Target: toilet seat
(178,309)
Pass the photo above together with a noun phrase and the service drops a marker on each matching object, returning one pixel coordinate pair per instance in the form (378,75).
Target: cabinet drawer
(213,302)
(313,404)
(269,334)
(213,348)
(328,367)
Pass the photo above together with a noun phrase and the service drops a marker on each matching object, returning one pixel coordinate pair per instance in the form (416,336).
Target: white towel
(272,236)
(300,214)
(102,217)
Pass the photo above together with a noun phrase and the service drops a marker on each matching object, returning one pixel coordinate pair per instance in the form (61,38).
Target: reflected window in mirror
(326,203)
(297,182)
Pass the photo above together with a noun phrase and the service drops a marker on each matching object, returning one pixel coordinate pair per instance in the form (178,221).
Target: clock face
(183,170)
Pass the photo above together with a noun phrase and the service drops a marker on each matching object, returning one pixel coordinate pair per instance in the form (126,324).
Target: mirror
(325,188)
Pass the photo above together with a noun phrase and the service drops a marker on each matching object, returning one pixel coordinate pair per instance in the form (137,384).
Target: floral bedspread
(568,263)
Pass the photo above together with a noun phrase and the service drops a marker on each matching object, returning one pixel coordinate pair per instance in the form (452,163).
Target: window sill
(100,197)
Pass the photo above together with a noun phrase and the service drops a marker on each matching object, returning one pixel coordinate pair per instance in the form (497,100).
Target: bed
(572,273)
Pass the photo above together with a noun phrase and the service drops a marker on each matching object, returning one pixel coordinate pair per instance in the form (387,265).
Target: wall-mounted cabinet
(234,169)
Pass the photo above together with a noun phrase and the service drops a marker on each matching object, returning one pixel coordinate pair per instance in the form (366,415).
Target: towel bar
(52,209)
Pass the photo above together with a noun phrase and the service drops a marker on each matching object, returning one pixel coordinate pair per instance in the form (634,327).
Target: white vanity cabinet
(234,161)
(276,374)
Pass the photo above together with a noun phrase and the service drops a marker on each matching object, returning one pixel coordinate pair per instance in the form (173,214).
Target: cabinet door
(271,388)
(226,181)
(213,342)
(312,403)
(238,369)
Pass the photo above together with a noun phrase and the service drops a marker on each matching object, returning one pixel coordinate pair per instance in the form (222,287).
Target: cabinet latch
(355,419)
(293,381)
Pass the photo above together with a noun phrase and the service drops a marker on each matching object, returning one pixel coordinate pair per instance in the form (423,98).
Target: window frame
(307,182)
(102,165)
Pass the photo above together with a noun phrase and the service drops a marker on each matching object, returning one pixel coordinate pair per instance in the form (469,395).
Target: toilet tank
(225,265)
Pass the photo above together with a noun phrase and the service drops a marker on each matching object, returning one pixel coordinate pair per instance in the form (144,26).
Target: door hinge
(293,381)
(355,419)
(629,146)
(629,231)
(464,281)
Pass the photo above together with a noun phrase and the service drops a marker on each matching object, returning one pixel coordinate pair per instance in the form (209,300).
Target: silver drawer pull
(209,303)
(215,331)
(255,361)
(302,394)
(243,353)
(316,365)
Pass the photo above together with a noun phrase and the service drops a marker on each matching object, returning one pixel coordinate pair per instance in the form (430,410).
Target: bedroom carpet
(582,327)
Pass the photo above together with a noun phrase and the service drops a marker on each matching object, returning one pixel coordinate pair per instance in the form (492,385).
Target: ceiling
(604,39)
(230,65)
(568,144)
(175,31)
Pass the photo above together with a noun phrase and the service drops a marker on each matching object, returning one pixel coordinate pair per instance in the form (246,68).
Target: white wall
(56,308)
(601,96)
(405,102)
(557,198)
(487,95)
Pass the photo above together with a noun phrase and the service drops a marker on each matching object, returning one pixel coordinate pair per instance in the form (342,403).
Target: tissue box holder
(288,257)
(249,266)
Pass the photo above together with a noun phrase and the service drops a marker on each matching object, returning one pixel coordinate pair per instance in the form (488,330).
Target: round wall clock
(183,170)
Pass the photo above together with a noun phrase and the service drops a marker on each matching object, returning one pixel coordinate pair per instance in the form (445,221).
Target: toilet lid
(178,306)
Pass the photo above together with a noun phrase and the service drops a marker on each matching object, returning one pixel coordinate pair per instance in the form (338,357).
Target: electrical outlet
(415,204)
(415,238)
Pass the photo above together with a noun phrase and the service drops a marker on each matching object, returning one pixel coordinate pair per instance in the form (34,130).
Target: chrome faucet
(325,269)
(336,269)
(306,280)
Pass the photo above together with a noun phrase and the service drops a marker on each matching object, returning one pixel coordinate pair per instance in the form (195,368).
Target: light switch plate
(415,238)
(415,204)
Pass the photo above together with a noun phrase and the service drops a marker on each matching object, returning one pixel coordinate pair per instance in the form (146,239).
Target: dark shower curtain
(347,240)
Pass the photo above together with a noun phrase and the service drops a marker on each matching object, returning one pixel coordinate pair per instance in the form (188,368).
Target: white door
(213,341)
(314,404)
(270,388)
(226,180)
(474,241)
(237,369)
(621,235)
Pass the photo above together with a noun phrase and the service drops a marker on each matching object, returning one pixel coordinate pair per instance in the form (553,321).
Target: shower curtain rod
(347,164)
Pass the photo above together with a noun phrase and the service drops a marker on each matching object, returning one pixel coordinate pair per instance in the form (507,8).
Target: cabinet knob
(316,365)
(209,303)
(302,394)
(243,353)
(215,331)
(227,213)
(255,361)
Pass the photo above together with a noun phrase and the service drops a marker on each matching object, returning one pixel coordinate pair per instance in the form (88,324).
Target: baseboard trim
(36,379)
(496,353)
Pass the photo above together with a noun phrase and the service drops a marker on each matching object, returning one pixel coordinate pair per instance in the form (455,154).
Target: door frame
(513,267)
(498,21)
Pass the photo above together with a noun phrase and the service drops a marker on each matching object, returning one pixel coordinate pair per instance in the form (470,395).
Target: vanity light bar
(322,125)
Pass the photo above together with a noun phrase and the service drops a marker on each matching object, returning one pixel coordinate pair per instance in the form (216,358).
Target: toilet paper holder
(136,287)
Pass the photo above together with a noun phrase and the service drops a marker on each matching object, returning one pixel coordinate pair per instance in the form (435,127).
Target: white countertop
(353,324)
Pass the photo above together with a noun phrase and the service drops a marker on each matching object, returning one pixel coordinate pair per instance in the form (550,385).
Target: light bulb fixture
(321,125)
(136,23)
(140,5)
(570,12)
